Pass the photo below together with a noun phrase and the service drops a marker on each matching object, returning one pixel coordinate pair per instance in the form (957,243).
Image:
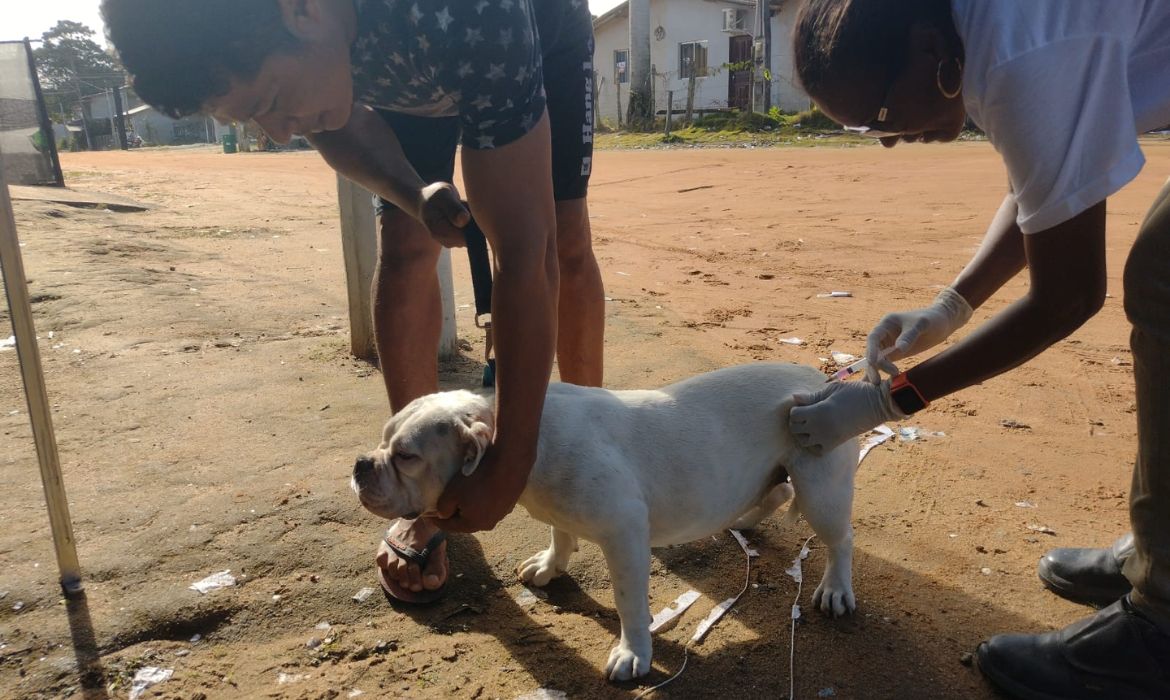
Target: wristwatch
(906,396)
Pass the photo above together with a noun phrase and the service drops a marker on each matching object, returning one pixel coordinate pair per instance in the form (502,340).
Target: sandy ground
(207,413)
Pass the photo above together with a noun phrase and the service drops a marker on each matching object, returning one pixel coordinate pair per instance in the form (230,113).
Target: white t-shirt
(1063,88)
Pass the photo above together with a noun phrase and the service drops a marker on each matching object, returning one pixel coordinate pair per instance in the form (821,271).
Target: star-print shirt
(475,59)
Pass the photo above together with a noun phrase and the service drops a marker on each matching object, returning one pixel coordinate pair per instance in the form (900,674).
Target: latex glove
(823,420)
(908,333)
(441,210)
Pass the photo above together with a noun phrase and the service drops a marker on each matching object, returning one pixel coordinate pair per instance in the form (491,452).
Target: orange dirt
(207,412)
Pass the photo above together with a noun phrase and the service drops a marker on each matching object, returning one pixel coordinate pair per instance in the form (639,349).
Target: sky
(31,18)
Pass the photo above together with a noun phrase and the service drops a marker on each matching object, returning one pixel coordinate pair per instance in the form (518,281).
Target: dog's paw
(834,599)
(625,664)
(540,568)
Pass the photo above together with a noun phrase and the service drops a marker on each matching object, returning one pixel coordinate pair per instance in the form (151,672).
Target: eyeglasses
(883,114)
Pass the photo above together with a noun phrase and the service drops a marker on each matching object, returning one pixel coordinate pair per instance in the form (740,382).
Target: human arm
(518,217)
(1067,286)
(366,150)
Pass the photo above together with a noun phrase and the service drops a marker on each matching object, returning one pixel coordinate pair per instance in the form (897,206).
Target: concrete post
(359,244)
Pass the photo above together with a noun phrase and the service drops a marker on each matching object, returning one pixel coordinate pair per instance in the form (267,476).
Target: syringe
(852,369)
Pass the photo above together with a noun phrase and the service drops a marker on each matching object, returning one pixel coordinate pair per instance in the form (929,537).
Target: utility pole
(766,49)
(120,119)
(641,106)
(81,104)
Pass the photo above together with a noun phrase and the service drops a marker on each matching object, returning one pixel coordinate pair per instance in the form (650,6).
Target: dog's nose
(363,467)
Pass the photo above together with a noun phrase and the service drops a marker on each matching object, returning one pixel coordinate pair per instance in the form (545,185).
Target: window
(692,59)
(621,66)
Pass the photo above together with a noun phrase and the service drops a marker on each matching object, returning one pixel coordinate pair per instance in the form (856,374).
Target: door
(739,75)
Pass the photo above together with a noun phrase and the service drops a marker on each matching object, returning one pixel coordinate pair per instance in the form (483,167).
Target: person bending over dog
(385,90)
(1062,88)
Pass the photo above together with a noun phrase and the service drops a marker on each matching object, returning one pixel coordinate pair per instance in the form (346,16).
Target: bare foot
(415,568)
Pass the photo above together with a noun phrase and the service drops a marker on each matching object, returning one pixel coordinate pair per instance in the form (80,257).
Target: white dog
(631,470)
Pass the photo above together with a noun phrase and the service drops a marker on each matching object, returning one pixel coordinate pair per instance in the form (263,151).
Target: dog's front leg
(546,565)
(628,555)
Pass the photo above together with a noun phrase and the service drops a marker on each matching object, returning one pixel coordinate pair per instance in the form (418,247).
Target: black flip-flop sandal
(421,558)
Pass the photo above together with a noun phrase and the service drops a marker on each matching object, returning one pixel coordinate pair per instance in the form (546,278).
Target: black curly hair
(182,53)
(834,39)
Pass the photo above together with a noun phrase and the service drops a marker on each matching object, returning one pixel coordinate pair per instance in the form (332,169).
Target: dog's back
(721,433)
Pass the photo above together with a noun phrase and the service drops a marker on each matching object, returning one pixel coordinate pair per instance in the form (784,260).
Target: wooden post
(691,99)
(669,109)
(359,244)
(39,413)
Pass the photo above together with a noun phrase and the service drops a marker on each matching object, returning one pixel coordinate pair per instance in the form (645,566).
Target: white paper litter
(879,435)
(146,677)
(834,295)
(792,341)
(283,678)
(222,579)
(743,543)
(795,571)
(543,694)
(1042,529)
(362,595)
(795,611)
(666,618)
(911,433)
(709,621)
(843,358)
(1026,504)
(9,343)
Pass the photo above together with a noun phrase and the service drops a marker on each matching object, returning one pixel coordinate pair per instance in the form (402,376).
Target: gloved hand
(908,333)
(823,420)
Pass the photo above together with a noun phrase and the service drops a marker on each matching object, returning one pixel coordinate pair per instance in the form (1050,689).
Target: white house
(707,37)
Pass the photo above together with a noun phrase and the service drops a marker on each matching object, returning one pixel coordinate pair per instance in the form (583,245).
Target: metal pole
(38,401)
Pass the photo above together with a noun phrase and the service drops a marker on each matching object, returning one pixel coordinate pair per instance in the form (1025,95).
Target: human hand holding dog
(908,333)
(480,500)
(823,420)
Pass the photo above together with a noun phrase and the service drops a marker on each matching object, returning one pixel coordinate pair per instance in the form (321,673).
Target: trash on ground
(795,571)
(1042,529)
(878,435)
(985,571)
(283,678)
(1026,504)
(146,677)
(1013,424)
(362,595)
(743,543)
(912,433)
(669,615)
(528,596)
(713,617)
(543,694)
(834,295)
(792,341)
(843,358)
(223,579)
(9,343)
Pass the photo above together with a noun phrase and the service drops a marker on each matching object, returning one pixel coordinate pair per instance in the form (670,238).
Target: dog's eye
(401,457)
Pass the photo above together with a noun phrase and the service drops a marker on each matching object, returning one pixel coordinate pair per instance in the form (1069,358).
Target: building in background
(714,40)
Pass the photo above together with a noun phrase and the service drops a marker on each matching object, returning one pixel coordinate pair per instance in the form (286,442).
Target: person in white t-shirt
(1062,89)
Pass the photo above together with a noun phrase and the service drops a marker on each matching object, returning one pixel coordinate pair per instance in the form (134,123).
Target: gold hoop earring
(950,95)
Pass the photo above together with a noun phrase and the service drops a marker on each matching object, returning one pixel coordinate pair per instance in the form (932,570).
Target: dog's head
(423,447)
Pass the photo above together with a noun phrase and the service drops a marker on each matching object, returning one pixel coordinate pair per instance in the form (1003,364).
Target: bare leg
(407,324)
(581,325)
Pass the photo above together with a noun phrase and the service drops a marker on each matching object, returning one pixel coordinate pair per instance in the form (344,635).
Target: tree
(71,65)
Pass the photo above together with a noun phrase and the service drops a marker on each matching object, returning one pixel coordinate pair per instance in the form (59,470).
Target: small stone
(966,658)
(986,571)
(313,643)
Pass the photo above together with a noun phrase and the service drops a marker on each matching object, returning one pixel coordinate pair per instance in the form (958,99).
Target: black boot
(1091,576)
(1116,654)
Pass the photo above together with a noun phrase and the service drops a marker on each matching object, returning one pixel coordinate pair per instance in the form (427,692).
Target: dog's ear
(477,435)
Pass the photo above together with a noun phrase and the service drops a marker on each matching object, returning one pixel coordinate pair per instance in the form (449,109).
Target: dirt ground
(208,411)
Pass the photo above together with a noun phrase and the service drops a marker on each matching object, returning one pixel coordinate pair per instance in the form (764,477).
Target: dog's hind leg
(779,495)
(824,495)
(546,565)
(627,553)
